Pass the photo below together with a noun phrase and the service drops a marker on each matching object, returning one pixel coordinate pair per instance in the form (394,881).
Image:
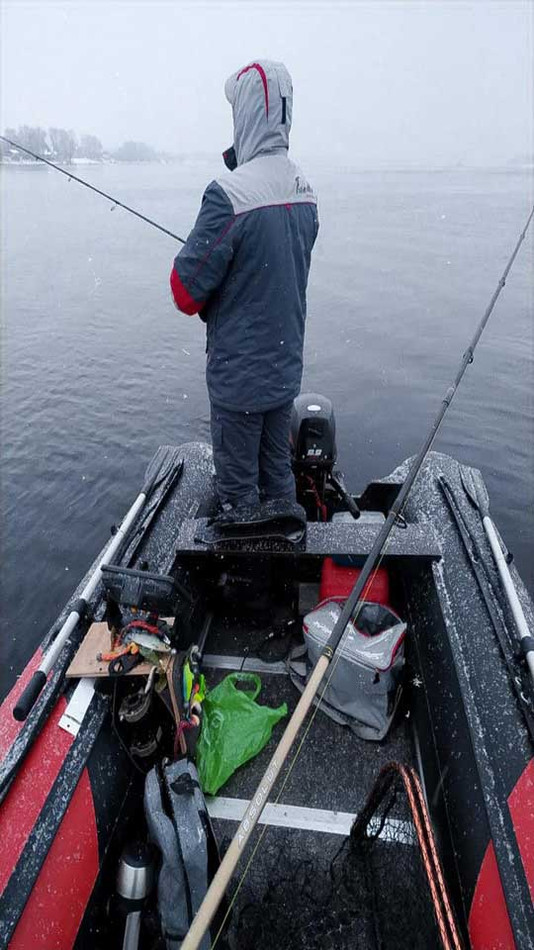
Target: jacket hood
(261,96)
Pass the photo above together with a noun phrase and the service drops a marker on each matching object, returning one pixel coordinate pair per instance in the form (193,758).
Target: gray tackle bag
(177,820)
(365,677)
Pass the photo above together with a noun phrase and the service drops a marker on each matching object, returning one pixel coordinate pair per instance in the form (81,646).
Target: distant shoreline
(27,162)
(206,158)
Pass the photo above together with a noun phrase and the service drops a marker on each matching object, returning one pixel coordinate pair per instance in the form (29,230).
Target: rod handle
(29,696)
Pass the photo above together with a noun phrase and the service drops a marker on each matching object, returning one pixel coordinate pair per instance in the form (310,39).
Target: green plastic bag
(234,729)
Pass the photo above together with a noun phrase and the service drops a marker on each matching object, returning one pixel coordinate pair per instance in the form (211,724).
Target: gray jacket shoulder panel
(270,179)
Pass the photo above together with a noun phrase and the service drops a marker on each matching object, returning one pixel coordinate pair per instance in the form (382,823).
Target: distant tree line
(62,145)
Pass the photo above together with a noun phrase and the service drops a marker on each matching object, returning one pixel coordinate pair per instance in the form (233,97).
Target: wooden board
(98,640)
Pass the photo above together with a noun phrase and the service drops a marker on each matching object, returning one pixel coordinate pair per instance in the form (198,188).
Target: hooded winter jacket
(245,264)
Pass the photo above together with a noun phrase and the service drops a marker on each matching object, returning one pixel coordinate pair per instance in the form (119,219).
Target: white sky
(387,81)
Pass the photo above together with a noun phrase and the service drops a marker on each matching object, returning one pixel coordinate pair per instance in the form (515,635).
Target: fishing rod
(116,202)
(220,882)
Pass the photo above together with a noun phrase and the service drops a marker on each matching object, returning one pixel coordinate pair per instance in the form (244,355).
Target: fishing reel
(145,736)
(135,603)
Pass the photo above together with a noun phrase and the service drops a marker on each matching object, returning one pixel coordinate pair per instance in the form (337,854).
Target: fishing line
(70,175)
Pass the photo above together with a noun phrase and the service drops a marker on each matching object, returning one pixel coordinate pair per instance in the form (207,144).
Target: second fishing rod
(72,177)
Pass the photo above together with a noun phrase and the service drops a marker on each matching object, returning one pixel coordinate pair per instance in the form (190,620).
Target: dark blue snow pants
(251,455)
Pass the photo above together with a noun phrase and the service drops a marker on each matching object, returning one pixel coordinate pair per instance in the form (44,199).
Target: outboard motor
(313,450)
(312,436)
(313,433)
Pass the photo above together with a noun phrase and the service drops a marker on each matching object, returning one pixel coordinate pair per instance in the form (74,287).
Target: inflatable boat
(449,736)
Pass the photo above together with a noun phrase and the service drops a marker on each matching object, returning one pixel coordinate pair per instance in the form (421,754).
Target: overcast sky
(433,82)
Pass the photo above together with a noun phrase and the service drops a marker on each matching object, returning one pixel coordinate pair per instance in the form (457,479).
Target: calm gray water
(99,369)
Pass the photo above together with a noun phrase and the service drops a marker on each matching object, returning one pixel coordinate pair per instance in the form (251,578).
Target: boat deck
(324,784)
(356,539)
(328,777)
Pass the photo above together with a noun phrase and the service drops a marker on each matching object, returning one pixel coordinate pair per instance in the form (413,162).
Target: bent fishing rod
(116,202)
(220,882)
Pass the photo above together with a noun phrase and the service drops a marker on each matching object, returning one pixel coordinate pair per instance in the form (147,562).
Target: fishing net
(373,893)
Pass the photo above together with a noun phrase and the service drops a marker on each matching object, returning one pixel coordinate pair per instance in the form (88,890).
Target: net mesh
(373,893)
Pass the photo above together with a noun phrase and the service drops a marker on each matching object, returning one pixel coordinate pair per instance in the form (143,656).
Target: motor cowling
(313,433)
(313,452)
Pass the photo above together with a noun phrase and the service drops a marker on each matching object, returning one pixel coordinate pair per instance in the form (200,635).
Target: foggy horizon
(383,83)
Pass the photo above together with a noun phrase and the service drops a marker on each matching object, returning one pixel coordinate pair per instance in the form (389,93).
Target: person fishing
(244,269)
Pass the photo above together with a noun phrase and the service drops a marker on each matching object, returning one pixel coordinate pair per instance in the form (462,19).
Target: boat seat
(321,539)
